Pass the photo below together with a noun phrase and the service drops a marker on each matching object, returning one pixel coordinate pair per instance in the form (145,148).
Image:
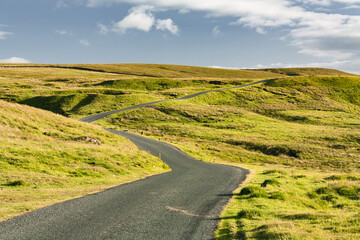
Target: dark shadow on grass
(266,149)
(86,101)
(50,103)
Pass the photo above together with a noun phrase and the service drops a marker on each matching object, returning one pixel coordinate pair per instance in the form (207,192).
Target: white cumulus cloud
(14,60)
(222,67)
(167,24)
(328,35)
(140,18)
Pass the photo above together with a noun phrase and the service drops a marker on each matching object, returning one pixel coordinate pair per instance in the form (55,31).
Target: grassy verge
(295,204)
(47,158)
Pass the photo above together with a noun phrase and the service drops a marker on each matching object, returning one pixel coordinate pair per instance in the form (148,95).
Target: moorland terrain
(299,133)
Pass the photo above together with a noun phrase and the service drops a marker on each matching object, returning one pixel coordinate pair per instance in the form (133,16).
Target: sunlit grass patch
(44,152)
(297,214)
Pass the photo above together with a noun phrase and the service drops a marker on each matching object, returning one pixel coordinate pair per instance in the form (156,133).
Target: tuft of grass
(253,192)
(324,190)
(330,197)
(15,183)
(278,195)
(334,177)
(342,177)
(249,214)
(274,171)
(350,192)
(273,182)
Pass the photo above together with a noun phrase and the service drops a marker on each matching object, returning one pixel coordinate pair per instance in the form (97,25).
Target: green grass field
(47,158)
(296,125)
(299,132)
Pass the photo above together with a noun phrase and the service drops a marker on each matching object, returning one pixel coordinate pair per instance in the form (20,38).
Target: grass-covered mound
(80,90)
(45,158)
(308,122)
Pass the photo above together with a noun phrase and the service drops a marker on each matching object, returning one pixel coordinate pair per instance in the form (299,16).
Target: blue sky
(224,33)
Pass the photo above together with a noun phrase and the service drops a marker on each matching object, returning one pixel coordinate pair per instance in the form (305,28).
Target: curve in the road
(182,204)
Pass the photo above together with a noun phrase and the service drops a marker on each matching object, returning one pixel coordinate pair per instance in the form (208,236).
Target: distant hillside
(180,71)
(79,90)
(157,70)
(306,72)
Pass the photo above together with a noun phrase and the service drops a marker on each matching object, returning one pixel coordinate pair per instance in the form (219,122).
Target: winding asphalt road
(182,204)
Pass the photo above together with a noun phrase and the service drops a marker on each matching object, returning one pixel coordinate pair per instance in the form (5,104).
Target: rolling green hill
(307,72)
(299,133)
(80,90)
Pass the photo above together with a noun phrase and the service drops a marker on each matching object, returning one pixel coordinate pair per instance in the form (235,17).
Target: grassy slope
(44,158)
(306,123)
(296,204)
(307,72)
(298,125)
